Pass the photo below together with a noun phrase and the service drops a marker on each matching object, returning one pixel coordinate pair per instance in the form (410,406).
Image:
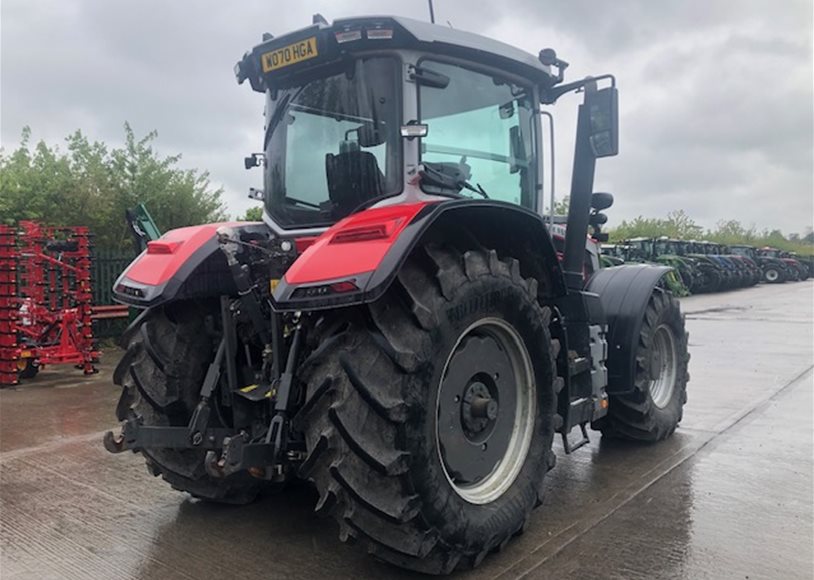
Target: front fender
(624,292)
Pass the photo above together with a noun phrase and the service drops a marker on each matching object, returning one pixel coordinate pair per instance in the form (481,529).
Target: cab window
(482,126)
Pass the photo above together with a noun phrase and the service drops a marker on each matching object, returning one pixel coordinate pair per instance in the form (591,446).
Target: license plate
(288,55)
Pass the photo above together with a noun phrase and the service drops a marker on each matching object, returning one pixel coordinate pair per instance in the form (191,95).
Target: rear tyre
(429,413)
(713,281)
(161,375)
(652,411)
(772,275)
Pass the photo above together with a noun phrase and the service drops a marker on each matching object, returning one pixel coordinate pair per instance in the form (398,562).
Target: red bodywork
(352,246)
(165,257)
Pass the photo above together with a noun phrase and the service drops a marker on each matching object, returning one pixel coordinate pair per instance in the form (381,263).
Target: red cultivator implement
(45,300)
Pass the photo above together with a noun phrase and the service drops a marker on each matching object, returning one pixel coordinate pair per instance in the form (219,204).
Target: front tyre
(653,409)
(161,375)
(429,413)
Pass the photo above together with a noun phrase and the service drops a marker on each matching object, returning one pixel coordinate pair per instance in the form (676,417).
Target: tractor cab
(667,247)
(374,109)
(745,251)
(378,111)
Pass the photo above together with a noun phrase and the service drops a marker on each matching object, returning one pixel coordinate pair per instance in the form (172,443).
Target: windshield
(332,144)
(664,248)
(480,127)
(746,252)
(642,246)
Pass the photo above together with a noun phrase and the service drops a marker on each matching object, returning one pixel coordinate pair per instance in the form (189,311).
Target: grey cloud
(716,95)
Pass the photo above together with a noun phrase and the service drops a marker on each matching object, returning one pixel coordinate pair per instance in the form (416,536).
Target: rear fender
(624,292)
(183,263)
(356,260)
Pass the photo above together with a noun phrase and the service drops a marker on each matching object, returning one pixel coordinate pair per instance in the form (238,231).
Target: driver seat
(353,178)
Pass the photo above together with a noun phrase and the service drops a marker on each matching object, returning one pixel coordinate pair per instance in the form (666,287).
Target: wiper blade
(477,188)
(294,200)
(438,178)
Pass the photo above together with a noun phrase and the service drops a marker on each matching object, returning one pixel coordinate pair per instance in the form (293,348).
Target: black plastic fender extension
(624,292)
(506,228)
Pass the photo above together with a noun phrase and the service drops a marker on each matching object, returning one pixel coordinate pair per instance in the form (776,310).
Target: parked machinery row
(710,267)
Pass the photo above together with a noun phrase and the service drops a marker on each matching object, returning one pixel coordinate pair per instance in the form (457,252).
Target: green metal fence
(107,266)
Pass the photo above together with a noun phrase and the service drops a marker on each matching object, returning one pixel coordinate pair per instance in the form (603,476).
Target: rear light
(342,287)
(369,233)
(348,36)
(130,291)
(379,33)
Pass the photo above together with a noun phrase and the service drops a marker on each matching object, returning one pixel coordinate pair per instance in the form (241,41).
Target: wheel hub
(485,411)
(478,409)
(663,366)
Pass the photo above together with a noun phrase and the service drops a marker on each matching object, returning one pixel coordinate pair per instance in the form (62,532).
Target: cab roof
(407,33)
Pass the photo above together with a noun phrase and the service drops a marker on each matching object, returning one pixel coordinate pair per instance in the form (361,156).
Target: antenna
(432,12)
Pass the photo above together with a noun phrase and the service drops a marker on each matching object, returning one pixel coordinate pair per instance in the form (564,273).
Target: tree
(679,225)
(561,206)
(91,184)
(253,214)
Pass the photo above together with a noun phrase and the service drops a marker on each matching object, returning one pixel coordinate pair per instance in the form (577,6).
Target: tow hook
(113,443)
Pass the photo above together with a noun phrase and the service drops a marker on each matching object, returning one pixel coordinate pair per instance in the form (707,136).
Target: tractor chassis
(230,451)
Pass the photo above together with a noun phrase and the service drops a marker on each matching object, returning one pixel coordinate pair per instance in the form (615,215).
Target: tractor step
(584,441)
(256,393)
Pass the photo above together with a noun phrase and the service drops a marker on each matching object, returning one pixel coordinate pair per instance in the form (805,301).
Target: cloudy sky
(716,96)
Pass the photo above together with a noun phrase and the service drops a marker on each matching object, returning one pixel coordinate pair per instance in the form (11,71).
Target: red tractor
(398,330)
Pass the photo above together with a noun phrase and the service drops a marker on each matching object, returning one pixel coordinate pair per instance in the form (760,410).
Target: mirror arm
(550,97)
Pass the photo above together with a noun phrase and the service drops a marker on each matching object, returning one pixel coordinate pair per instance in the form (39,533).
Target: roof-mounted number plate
(290,54)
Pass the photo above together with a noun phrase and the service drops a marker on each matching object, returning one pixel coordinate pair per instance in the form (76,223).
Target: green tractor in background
(641,250)
(614,255)
(663,251)
(716,276)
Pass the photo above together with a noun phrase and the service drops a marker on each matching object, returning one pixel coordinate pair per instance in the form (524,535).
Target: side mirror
(371,135)
(597,219)
(603,109)
(600,201)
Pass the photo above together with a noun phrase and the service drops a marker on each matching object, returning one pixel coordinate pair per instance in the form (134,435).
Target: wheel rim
(485,411)
(663,366)
(771,275)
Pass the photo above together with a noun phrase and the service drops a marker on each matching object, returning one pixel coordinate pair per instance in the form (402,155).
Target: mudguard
(356,260)
(624,292)
(183,263)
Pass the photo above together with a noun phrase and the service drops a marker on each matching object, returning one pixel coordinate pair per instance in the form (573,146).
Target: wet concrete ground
(729,496)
